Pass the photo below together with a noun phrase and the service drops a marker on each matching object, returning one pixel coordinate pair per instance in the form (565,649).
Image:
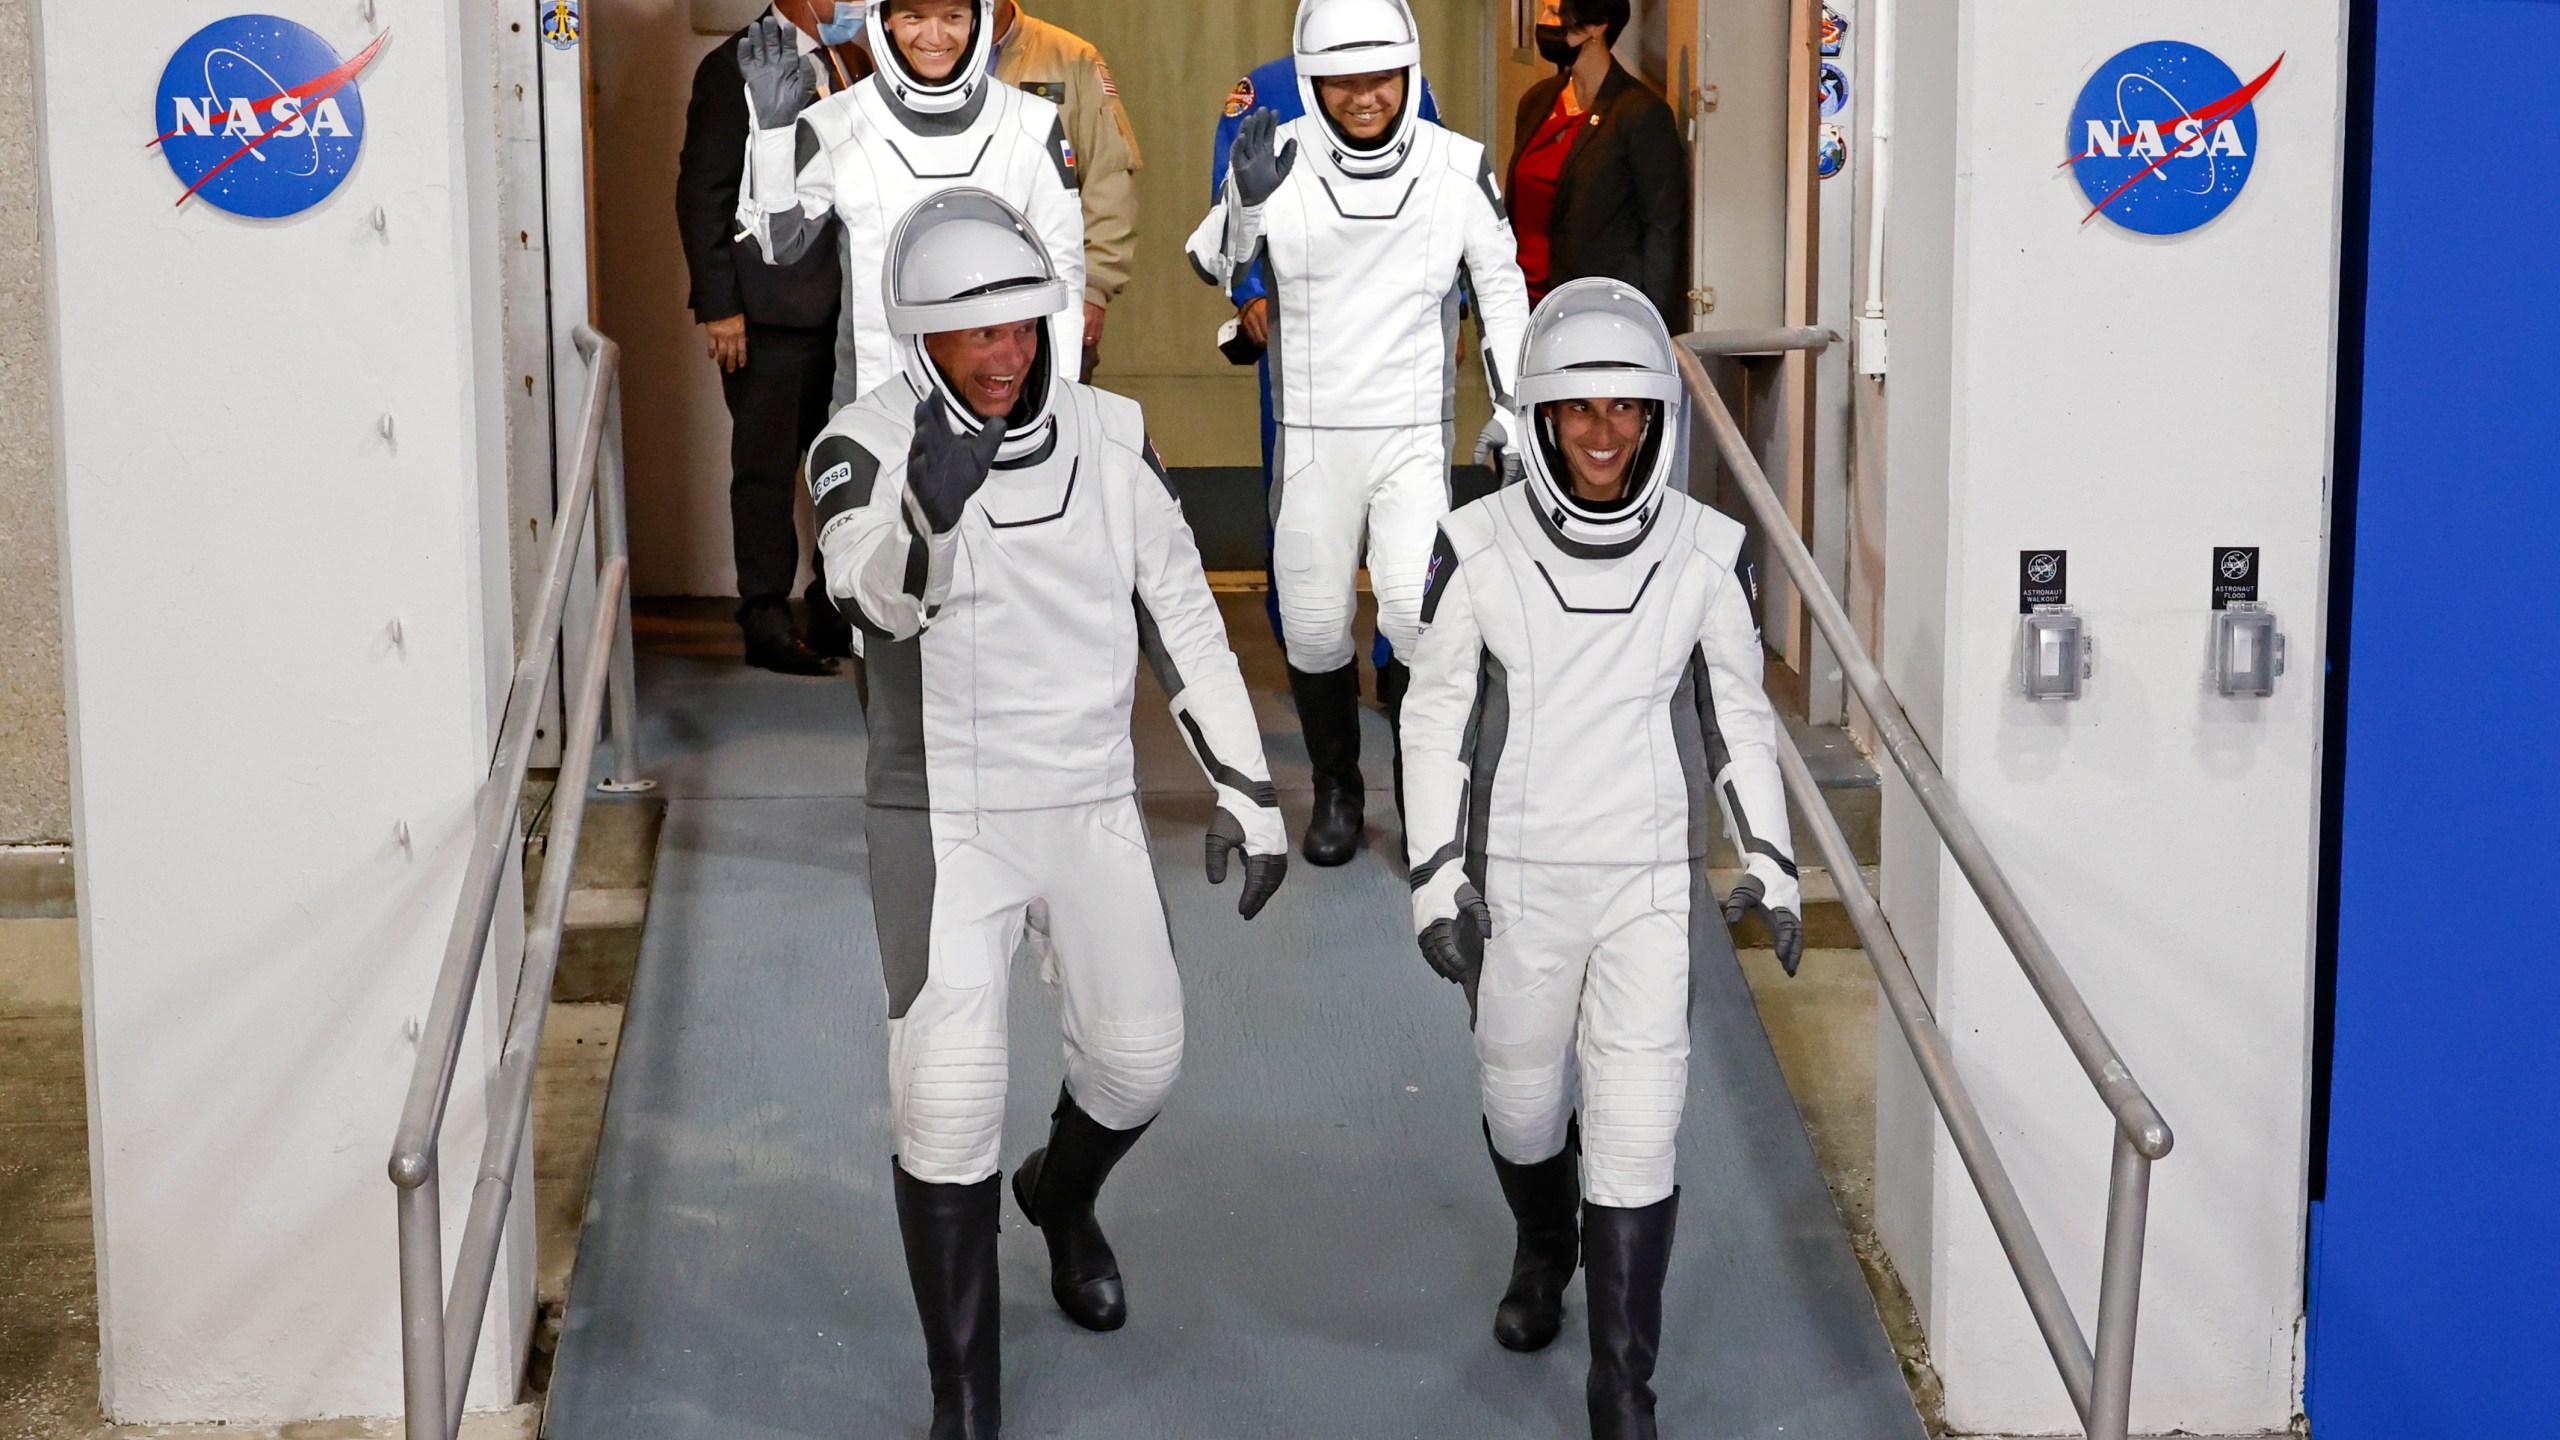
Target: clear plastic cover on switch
(2248,651)
(2054,654)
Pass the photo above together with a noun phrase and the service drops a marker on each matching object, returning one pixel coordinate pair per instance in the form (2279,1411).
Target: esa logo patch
(1240,99)
(836,475)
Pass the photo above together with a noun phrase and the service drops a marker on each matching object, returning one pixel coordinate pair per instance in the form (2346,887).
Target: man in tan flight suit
(1063,67)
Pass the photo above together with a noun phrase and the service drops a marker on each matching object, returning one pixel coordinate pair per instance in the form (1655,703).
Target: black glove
(779,84)
(945,467)
(1262,873)
(1445,949)
(1785,930)
(1251,159)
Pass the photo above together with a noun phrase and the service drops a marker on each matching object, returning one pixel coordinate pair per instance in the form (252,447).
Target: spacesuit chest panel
(925,157)
(1593,650)
(1031,662)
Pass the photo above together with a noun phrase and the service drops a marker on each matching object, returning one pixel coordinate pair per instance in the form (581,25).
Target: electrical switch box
(2054,654)
(2248,650)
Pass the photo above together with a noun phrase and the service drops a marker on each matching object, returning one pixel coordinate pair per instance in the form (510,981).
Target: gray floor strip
(1312,1237)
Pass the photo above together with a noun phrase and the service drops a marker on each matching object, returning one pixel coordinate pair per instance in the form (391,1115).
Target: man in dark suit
(1599,179)
(772,331)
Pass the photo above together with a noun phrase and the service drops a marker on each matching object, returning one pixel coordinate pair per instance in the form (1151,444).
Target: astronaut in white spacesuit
(932,117)
(1586,689)
(1011,546)
(1368,224)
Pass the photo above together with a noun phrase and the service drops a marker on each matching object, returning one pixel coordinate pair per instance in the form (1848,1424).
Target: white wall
(2138,401)
(238,538)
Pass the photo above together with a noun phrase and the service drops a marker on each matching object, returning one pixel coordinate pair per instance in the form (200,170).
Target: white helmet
(1360,37)
(962,260)
(1591,339)
(957,91)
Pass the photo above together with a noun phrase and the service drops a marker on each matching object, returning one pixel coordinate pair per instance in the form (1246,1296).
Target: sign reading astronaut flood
(2164,137)
(260,117)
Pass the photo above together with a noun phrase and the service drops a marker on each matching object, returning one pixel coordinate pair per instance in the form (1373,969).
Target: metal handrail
(2100,1382)
(438,1337)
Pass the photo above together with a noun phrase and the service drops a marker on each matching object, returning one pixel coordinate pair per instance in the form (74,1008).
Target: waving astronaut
(1011,546)
(1367,223)
(932,117)
(1588,677)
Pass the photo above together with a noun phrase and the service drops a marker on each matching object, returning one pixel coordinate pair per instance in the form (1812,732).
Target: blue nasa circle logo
(2164,137)
(260,116)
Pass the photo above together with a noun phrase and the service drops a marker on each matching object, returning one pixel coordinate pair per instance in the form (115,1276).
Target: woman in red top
(1599,181)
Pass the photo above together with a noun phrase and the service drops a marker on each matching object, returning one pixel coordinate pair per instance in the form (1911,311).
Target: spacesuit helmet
(962,260)
(955,91)
(1360,37)
(1590,339)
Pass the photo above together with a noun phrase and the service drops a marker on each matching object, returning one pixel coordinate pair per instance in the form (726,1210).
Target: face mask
(1553,47)
(845,28)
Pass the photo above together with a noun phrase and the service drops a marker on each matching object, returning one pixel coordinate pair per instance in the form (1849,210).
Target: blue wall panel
(2435,1303)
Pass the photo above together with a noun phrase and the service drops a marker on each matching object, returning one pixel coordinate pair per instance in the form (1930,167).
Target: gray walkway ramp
(1311,1235)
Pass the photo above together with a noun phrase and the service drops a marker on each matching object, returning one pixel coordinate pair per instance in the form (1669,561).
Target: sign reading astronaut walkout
(264,90)
(2164,137)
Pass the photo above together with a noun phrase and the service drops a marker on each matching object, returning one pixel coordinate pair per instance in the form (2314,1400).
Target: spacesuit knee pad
(1631,1128)
(947,1102)
(1315,629)
(1121,1071)
(1526,1107)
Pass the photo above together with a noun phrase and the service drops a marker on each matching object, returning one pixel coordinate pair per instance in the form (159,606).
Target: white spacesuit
(1588,678)
(1366,248)
(869,153)
(1010,573)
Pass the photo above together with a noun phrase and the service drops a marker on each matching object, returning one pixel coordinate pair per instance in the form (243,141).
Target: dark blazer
(1622,204)
(729,277)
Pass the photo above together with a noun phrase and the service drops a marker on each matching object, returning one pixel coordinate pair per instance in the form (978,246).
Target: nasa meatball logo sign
(259,116)
(2164,137)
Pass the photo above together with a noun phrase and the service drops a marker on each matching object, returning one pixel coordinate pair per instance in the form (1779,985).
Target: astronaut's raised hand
(1499,448)
(1254,161)
(1259,837)
(1785,930)
(944,466)
(1442,898)
(779,83)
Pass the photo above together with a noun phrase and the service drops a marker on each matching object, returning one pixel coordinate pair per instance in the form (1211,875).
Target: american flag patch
(1109,86)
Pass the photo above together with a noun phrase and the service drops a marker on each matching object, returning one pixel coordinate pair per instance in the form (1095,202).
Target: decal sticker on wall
(560,28)
(1830,152)
(2044,578)
(2235,575)
(260,116)
(1835,89)
(1834,30)
(2164,137)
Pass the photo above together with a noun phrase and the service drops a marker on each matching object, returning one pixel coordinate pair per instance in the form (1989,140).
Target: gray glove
(1262,873)
(945,467)
(779,84)
(1785,930)
(1257,169)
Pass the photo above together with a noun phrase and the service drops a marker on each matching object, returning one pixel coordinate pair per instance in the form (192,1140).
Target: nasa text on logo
(260,117)
(2164,137)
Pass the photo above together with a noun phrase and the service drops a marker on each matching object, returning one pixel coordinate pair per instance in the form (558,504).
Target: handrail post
(2134,1112)
(2120,1291)
(422,1306)
(613,538)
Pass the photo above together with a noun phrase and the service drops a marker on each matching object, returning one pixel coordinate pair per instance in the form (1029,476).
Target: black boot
(1546,1200)
(771,645)
(1329,717)
(950,1232)
(1625,1255)
(1394,678)
(830,633)
(1056,1187)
